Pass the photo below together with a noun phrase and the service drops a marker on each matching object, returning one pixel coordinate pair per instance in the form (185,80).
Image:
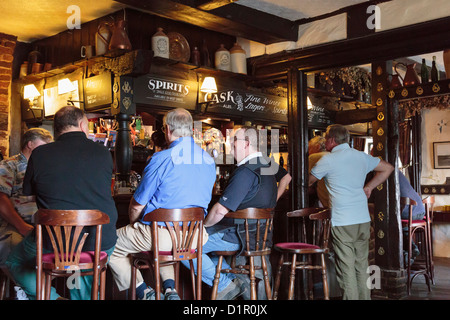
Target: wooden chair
(61,226)
(183,226)
(429,208)
(319,246)
(262,219)
(415,226)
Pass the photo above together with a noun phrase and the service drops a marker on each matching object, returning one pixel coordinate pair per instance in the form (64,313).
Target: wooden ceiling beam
(209,5)
(272,29)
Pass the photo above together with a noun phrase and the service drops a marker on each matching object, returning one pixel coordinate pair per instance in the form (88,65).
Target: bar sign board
(320,117)
(97,91)
(164,91)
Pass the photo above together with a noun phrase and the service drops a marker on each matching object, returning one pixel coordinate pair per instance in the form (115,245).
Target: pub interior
(359,64)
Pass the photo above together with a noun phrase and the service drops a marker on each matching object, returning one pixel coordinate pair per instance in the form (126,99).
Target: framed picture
(441,154)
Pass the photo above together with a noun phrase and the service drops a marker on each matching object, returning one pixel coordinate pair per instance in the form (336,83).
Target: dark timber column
(386,218)
(297,148)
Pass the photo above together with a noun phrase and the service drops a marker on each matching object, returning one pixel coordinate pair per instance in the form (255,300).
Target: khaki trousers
(351,245)
(135,238)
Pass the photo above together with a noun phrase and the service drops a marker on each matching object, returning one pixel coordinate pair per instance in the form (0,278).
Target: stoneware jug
(411,77)
(102,38)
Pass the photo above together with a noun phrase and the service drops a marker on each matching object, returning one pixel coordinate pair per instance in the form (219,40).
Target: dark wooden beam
(356,116)
(209,5)
(417,39)
(271,30)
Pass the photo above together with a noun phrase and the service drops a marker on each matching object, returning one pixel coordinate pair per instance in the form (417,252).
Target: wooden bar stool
(319,234)
(255,246)
(184,226)
(64,228)
(429,208)
(415,226)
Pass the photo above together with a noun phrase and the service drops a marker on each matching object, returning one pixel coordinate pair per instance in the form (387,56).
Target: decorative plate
(178,47)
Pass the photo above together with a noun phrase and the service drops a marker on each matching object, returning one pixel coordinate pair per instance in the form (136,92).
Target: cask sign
(97,91)
(248,104)
(165,91)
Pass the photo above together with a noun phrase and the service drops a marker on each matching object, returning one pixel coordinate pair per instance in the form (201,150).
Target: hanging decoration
(412,107)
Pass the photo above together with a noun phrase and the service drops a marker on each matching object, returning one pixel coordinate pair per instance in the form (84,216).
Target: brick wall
(7,46)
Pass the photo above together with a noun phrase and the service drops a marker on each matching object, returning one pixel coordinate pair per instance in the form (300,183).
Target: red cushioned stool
(64,228)
(319,234)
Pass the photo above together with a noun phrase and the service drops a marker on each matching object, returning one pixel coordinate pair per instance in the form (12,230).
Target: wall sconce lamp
(30,93)
(208,87)
(66,86)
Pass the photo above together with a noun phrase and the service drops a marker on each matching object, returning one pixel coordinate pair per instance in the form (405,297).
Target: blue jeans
(209,262)
(21,264)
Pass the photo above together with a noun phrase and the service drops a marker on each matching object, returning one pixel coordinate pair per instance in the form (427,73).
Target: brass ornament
(380,146)
(426,190)
(380,187)
(380,116)
(405,93)
(436,88)
(419,91)
(391,94)
(380,234)
(381,251)
(442,190)
(379,87)
(380,216)
(433,190)
(379,102)
(379,71)
(380,132)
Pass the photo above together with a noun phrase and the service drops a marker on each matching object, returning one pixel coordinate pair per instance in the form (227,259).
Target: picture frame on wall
(441,154)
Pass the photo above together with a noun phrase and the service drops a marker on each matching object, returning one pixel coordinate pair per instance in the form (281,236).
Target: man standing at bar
(345,170)
(73,173)
(181,176)
(16,210)
(316,150)
(252,185)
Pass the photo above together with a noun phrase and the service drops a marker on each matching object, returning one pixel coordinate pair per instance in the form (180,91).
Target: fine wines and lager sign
(248,104)
(165,91)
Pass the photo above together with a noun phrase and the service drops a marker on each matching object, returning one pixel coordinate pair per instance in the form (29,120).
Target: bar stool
(255,246)
(64,228)
(415,226)
(429,208)
(185,227)
(319,234)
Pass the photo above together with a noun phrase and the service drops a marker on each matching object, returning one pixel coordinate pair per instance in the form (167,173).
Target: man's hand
(134,210)
(216,214)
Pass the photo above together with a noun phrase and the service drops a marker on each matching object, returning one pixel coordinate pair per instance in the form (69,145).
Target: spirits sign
(164,91)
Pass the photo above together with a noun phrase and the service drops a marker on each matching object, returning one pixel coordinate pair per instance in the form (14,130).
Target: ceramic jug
(119,38)
(102,38)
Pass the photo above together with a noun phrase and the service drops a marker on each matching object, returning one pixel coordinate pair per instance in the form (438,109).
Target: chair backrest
(318,234)
(64,228)
(182,234)
(404,201)
(262,219)
(429,207)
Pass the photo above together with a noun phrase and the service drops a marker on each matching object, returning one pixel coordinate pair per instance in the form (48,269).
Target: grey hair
(35,134)
(318,141)
(179,122)
(339,133)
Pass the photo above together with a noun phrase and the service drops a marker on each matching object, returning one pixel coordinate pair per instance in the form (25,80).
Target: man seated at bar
(345,170)
(181,176)
(16,210)
(253,184)
(316,150)
(72,173)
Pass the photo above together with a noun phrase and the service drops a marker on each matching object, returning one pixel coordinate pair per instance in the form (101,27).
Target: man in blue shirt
(345,170)
(181,176)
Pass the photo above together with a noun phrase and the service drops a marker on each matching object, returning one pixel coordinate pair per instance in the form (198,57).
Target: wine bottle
(424,72)
(205,55)
(434,71)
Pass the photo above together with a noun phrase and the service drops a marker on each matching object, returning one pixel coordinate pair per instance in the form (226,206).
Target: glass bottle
(434,71)
(424,72)
(205,55)
(195,57)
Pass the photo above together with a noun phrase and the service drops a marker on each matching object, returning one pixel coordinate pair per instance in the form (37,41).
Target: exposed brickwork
(7,46)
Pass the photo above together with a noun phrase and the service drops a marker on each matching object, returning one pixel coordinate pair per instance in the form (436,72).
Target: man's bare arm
(134,210)
(216,214)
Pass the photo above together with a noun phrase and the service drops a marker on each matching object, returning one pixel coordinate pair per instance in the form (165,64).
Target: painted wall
(436,127)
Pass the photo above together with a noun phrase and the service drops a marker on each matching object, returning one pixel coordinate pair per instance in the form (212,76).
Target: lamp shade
(209,85)
(64,86)
(30,92)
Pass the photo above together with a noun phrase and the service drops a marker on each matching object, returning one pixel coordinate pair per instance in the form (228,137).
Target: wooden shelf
(423,90)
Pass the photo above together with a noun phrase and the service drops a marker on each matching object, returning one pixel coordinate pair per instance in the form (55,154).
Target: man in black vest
(253,184)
